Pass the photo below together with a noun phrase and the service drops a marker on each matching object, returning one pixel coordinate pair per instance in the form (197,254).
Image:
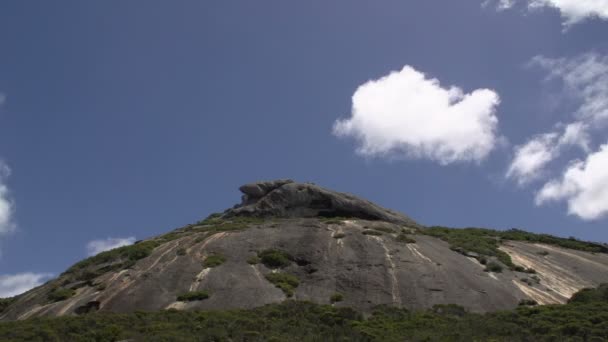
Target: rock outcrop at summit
(288,199)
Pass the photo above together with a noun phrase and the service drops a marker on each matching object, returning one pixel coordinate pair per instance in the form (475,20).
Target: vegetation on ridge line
(486,242)
(5,303)
(583,319)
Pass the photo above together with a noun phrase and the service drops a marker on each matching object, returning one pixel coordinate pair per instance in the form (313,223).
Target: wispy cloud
(97,246)
(585,80)
(7,206)
(15,284)
(572,11)
(405,113)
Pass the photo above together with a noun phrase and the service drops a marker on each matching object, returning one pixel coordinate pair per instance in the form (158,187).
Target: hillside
(298,241)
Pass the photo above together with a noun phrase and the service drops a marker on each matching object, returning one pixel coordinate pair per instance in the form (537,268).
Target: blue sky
(122,120)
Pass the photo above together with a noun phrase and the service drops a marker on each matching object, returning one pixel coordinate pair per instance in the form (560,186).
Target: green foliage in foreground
(304,321)
(286,282)
(193,296)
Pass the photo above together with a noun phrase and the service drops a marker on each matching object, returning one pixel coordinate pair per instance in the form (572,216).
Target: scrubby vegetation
(485,242)
(372,232)
(274,258)
(5,302)
(125,257)
(493,267)
(585,318)
(118,258)
(286,282)
(214,260)
(254,260)
(60,294)
(193,296)
(586,296)
(404,238)
(336,297)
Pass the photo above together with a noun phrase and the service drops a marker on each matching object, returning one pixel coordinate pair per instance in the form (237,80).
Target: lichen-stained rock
(302,242)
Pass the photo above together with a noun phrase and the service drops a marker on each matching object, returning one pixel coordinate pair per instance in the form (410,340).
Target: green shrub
(519,269)
(214,260)
(404,238)
(193,296)
(286,282)
(336,297)
(274,258)
(590,295)
(59,294)
(493,267)
(5,303)
(254,260)
(527,302)
(181,252)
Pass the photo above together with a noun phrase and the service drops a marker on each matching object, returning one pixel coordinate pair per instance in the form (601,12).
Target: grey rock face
(286,198)
(328,258)
(359,256)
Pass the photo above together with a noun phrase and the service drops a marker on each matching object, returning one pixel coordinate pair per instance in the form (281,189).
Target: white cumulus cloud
(584,185)
(14,284)
(97,246)
(405,113)
(572,11)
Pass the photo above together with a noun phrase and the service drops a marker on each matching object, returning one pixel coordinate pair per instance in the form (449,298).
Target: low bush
(404,238)
(5,303)
(286,282)
(274,258)
(254,260)
(213,260)
(60,294)
(527,302)
(193,296)
(493,267)
(336,297)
